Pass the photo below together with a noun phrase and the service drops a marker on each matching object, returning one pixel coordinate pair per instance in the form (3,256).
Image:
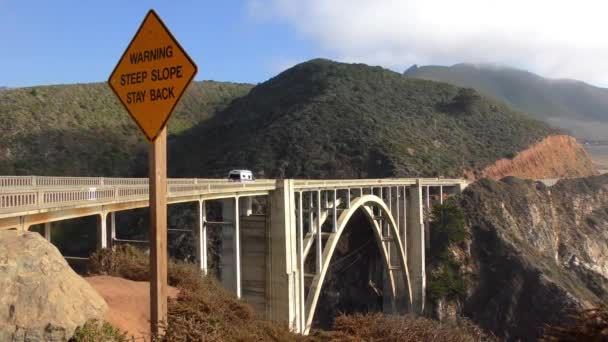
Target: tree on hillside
(466,100)
(447,229)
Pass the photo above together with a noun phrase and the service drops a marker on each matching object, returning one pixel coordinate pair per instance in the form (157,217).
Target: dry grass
(589,325)
(379,327)
(124,261)
(204,311)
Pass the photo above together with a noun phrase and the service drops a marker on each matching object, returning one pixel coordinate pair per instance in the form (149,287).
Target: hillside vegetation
(572,105)
(328,119)
(82,130)
(203,311)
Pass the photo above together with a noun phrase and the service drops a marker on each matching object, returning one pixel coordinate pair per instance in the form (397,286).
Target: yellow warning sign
(152,75)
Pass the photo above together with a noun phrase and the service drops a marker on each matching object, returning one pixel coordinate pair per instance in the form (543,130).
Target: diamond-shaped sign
(152,75)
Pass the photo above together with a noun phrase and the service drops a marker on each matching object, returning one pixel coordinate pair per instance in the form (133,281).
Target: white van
(240,176)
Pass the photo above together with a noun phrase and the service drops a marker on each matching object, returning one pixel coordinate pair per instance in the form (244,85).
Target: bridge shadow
(354,283)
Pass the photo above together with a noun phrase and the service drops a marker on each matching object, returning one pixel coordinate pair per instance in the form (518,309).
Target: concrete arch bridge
(263,257)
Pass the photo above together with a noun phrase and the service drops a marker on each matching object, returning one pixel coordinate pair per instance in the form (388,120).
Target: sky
(60,41)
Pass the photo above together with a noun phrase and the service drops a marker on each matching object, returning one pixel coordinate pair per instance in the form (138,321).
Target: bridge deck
(31,195)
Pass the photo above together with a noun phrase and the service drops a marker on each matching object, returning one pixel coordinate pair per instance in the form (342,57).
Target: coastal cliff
(533,253)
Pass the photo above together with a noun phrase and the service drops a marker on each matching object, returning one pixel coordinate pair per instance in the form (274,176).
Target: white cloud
(556,38)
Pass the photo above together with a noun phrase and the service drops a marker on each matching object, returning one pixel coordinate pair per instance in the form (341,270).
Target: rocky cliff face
(556,156)
(534,252)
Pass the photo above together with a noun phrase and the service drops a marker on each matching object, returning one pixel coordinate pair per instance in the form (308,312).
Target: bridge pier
(284,297)
(112,237)
(102,231)
(230,254)
(415,250)
(201,237)
(388,297)
(427,216)
(47,231)
(232,210)
(402,299)
(398,302)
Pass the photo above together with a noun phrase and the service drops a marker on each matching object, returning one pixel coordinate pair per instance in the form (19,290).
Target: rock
(556,156)
(537,252)
(41,297)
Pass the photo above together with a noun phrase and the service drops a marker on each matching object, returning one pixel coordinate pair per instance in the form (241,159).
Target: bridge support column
(102,231)
(112,229)
(427,216)
(230,258)
(201,237)
(399,303)
(416,247)
(402,300)
(389,298)
(284,293)
(300,238)
(237,247)
(246,206)
(47,231)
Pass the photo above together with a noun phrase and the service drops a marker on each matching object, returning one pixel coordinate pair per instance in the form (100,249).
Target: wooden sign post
(149,79)
(158,231)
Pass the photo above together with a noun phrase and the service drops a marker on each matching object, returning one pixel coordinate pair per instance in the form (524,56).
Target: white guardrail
(18,194)
(20,182)
(301,184)
(21,194)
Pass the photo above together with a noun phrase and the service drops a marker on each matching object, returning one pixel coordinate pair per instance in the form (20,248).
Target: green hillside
(570,105)
(328,119)
(82,130)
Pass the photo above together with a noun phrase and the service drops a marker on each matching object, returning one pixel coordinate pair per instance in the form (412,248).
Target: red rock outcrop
(557,156)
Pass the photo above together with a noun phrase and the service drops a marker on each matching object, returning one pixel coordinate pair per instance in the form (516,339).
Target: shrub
(95,331)
(447,230)
(124,261)
(379,327)
(466,100)
(203,310)
(588,325)
(445,282)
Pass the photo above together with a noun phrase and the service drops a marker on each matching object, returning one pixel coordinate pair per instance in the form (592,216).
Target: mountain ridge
(328,119)
(571,105)
(82,130)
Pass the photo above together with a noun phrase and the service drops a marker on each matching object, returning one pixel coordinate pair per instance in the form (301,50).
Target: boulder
(41,297)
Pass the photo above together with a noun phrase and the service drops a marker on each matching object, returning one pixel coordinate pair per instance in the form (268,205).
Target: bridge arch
(366,203)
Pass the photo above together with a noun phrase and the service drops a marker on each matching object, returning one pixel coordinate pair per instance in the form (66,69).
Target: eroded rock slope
(556,156)
(535,252)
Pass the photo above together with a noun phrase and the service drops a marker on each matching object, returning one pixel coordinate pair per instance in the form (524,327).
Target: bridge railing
(18,200)
(22,194)
(353,183)
(20,182)
(21,200)
(16,181)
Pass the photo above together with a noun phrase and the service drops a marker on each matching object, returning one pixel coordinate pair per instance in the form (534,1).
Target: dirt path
(128,302)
